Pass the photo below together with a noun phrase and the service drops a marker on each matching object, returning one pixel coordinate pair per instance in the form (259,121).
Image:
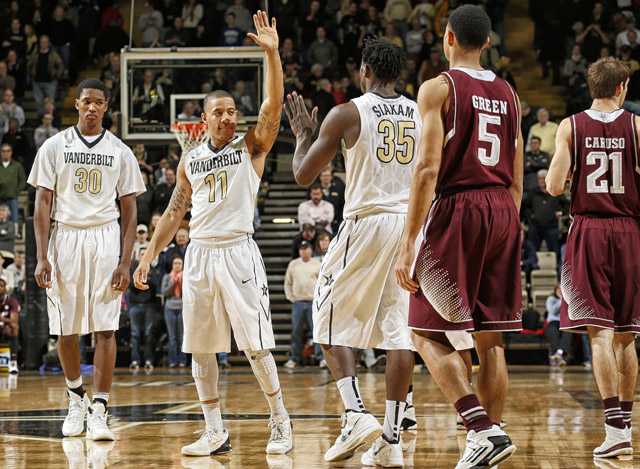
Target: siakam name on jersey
(603,143)
(217,161)
(495,106)
(392,109)
(88,158)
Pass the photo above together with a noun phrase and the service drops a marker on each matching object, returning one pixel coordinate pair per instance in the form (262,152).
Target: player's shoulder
(116,142)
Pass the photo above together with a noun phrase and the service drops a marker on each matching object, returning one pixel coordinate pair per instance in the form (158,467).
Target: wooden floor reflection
(554,417)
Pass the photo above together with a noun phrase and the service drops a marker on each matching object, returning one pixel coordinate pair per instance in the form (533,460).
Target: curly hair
(387,60)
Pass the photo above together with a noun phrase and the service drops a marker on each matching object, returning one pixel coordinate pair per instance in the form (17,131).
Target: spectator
(7,230)
(12,181)
(431,67)
(112,69)
(7,276)
(45,130)
(299,285)
(574,67)
(15,39)
(9,324)
(322,98)
(504,71)
(31,38)
(163,191)
(16,69)
(177,36)
(322,245)
(529,257)
(172,292)
(7,82)
(144,201)
(559,341)
(622,38)
(244,20)
(201,38)
(231,36)
(188,111)
(148,98)
(625,56)
(150,23)
(316,211)
(288,53)
(153,222)
(528,118)
(414,38)
(61,34)
(19,142)
(425,11)
(391,36)
(309,234)
(142,241)
(88,28)
(192,13)
(159,173)
(177,249)
(351,32)
(322,51)
(310,23)
(111,39)
(634,44)
(591,40)
(169,11)
(546,130)
(142,312)
(17,268)
(333,192)
(44,67)
(8,110)
(534,161)
(372,24)
(111,16)
(50,107)
(397,12)
(542,211)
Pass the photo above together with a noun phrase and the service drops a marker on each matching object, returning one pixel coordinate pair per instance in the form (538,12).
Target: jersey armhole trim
(452,132)
(359,139)
(635,140)
(575,145)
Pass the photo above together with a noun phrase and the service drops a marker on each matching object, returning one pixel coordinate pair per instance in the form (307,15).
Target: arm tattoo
(179,201)
(444,81)
(266,131)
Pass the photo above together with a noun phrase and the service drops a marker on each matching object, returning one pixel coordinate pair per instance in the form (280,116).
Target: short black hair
(315,186)
(471,26)
(93,84)
(215,95)
(387,60)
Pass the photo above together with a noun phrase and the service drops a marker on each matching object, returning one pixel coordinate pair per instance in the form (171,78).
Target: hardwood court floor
(554,417)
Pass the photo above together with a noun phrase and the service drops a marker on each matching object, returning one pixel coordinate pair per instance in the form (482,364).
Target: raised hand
(267,36)
(298,115)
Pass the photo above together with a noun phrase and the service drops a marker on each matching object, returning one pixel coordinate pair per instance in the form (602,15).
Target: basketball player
(225,283)
(467,274)
(358,302)
(9,324)
(598,150)
(78,175)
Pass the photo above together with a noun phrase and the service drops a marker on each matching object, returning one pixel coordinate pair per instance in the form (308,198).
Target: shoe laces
(99,421)
(210,435)
(75,408)
(277,429)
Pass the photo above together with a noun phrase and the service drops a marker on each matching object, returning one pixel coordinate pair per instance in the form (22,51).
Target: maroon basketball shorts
(469,265)
(601,275)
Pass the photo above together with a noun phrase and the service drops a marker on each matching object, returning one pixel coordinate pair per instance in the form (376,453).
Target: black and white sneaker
(486,449)
(409,420)
(358,428)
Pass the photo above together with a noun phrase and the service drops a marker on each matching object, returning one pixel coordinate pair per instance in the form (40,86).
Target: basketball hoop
(190,134)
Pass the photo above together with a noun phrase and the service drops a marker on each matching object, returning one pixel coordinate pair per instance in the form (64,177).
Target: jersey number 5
(601,187)
(388,152)
(485,136)
(211,180)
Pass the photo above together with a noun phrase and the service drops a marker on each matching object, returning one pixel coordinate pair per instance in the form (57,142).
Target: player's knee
(66,341)
(104,335)
(200,364)
(262,362)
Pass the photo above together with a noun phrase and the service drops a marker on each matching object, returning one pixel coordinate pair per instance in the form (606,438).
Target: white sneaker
(281,441)
(97,428)
(486,448)
(74,451)
(358,428)
(617,442)
(98,452)
(460,423)
(409,419)
(13,367)
(211,442)
(290,364)
(134,366)
(74,421)
(383,453)
(322,364)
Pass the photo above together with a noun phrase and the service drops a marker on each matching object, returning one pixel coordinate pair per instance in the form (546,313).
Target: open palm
(267,36)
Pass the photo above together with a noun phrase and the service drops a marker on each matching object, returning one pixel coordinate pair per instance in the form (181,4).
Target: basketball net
(190,134)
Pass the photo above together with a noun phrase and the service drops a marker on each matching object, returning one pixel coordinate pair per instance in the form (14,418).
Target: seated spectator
(142,241)
(177,36)
(12,181)
(9,109)
(17,269)
(162,194)
(397,13)
(44,67)
(425,11)
(7,82)
(142,311)
(625,56)
(534,160)
(322,98)
(433,66)
(201,37)
(317,212)
(414,38)
(528,118)
(322,245)
(192,13)
(333,192)
(7,276)
(560,341)
(153,222)
(244,20)
(7,230)
(15,39)
(339,90)
(142,156)
(148,98)
(177,249)
(45,130)
(504,71)
(150,23)
(546,130)
(622,38)
(391,36)
(372,24)
(20,144)
(144,201)
(288,53)
(16,68)
(541,211)
(299,284)
(322,51)
(9,324)
(309,234)
(172,291)
(231,36)
(112,70)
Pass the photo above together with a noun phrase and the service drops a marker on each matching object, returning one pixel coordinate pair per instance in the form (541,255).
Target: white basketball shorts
(358,302)
(224,286)
(81,299)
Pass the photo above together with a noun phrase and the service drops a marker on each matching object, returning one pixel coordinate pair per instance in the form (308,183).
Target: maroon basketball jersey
(604,159)
(481,132)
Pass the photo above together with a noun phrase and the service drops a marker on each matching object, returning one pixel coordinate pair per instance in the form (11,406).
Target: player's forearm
(165,231)
(515,190)
(423,186)
(42,221)
(303,143)
(274,84)
(128,222)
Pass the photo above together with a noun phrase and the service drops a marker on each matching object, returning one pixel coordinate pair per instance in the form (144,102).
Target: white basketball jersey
(225,187)
(86,177)
(380,164)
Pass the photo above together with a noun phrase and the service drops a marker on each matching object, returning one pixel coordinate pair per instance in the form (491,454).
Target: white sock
(392,417)
(212,416)
(410,396)
(264,369)
(350,392)
(75,384)
(101,398)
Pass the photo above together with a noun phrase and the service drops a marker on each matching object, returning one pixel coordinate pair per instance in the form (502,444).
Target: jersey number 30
(389,151)
(91,180)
